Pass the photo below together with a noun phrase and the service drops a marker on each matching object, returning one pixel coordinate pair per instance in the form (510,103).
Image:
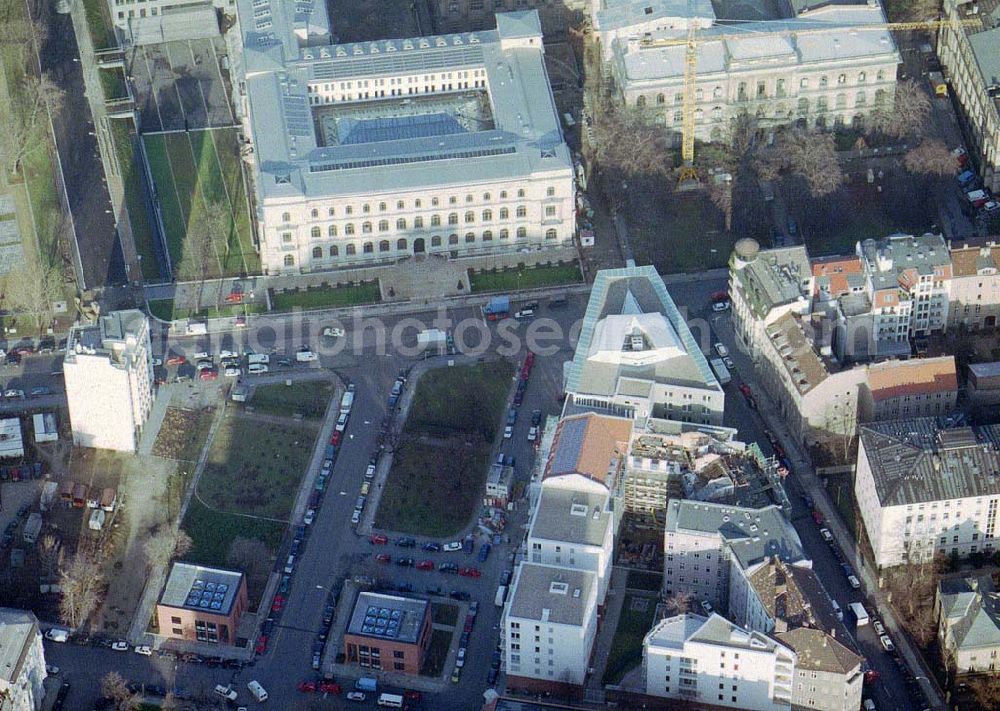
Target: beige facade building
(828,675)
(975,287)
(922,387)
(971,56)
(968,614)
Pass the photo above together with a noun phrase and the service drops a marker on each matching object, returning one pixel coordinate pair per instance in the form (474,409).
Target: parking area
(181,86)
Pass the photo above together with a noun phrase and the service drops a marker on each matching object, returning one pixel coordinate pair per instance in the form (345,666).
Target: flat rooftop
(116,335)
(389,617)
(550,594)
(195,587)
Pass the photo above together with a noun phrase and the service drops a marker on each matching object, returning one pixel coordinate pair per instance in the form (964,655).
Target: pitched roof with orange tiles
(587,444)
(969,260)
(836,270)
(920,376)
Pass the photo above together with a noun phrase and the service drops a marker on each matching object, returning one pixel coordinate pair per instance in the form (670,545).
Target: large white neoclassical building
(369,152)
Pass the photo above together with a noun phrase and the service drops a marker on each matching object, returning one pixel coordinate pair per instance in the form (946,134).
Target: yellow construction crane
(688,172)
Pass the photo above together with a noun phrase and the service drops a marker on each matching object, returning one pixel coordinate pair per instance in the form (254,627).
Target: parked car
(355,696)
(853,581)
(878,627)
(431,546)
(448,568)
(425,565)
(721,350)
(119,646)
(406,562)
(378,539)
(453,546)
(887,644)
(383,558)
(144,650)
(406,542)
(508,432)
(470,572)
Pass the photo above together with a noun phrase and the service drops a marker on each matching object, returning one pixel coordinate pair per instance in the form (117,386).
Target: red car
(335,438)
(279,602)
(525,372)
(469,572)
(307,686)
(208,375)
(176,360)
(329,687)
(425,565)
(745,389)
(414,696)
(383,558)
(378,539)
(261,644)
(234,297)
(240,322)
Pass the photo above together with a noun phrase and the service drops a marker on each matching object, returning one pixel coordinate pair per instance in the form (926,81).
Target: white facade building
(22,661)
(714,661)
(923,489)
(550,623)
(813,79)
(371,152)
(109,380)
(636,356)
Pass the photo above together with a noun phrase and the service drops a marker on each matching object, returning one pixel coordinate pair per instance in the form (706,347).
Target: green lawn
(102,32)
(193,171)
(444,614)
(164,309)
(527,278)
(642,580)
(437,653)
(326,297)
(626,646)
(309,398)
(113,83)
(123,135)
(684,233)
(213,532)
(254,467)
(465,400)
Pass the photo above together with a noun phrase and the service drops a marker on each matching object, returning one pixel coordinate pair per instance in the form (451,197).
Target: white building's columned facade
(370,152)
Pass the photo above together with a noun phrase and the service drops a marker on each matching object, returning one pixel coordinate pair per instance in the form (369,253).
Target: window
(453,218)
(860,99)
(434,202)
(350,209)
(383,246)
(661,99)
(678,116)
(780,88)
(488,236)
(842,79)
(522,211)
(383,225)
(175,620)
(862,77)
(469,237)
(331,231)
(289,260)
(503,194)
(400,205)
(504,213)
(520,192)
(349,229)
(470,217)
(550,210)
(640,101)
(522,232)
(550,191)
(452,200)
(333,250)
(486,197)
(286,217)
(880,76)
(504,234)
(369,248)
(435,220)
(550,234)
(453,239)
(401,244)
(366,208)
(351,251)
(314,214)
(418,223)
(317,252)
(418,203)
(487,215)
(398,666)
(366,228)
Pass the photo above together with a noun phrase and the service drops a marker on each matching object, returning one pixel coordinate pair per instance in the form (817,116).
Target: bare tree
(114,687)
(32,290)
(906,115)
(931,157)
(810,155)
(912,10)
(986,689)
(50,554)
(82,584)
(24,120)
(167,543)
(629,143)
(679,602)
(912,588)
(169,702)
(252,557)
(721,194)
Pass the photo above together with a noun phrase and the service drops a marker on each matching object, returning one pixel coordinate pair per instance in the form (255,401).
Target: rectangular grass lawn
(255,468)
(113,83)
(123,134)
(98,15)
(626,645)
(174,214)
(461,400)
(527,278)
(308,398)
(213,532)
(326,297)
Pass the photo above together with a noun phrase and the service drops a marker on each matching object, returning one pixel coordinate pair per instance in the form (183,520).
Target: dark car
(448,568)
(464,641)
(495,662)
(460,595)
(491,676)
(408,562)
(536,417)
(406,542)
(433,547)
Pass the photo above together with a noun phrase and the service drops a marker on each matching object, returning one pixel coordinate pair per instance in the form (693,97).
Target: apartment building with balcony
(925,488)
(370,152)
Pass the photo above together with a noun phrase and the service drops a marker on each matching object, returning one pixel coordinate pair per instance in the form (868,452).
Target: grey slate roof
(621,14)
(917,460)
(532,597)
(568,515)
(972,608)
(901,252)
(18,629)
(818,651)
(634,290)
(751,534)
(774,278)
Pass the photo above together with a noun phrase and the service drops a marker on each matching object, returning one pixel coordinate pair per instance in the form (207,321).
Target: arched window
(400,205)
(486,197)
(716,113)
(435,220)
(366,208)
(522,211)
(470,237)
(487,215)
(842,79)
(418,203)
(381,207)
(383,225)
(331,212)
(351,250)
(314,214)
(289,260)
(470,217)
(504,213)
(286,217)
(823,82)
(453,218)
(418,223)
(678,98)
(368,248)
(366,228)
(349,228)
(503,194)
(317,252)
(401,223)
(640,101)
(504,234)
(550,234)
(334,251)
(522,232)
(315,233)
(401,244)
(822,103)
(452,239)
(436,241)
(383,246)
(661,99)
(717,92)
(488,236)
(331,231)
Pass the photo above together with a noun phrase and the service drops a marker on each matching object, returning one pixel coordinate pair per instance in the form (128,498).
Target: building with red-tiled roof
(923,387)
(975,286)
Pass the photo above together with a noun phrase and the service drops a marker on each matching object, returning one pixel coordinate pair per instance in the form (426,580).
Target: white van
(394,701)
(226,692)
(197,328)
(257,690)
(305,356)
(57,635)
(258,359)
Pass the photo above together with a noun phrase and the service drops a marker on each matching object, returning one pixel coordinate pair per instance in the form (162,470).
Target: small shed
(45,427)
